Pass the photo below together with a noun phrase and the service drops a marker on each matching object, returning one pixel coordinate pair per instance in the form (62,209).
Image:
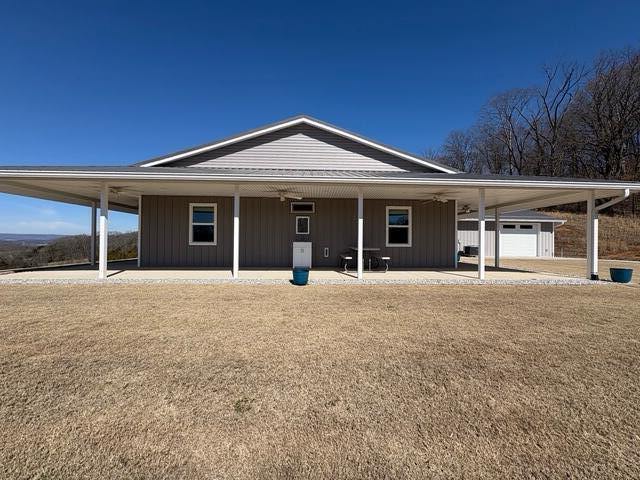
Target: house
(245,201)
(524,233)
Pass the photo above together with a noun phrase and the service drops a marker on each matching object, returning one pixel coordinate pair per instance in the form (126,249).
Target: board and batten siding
(165,233)
(301,147)
(468,235)
(267,232)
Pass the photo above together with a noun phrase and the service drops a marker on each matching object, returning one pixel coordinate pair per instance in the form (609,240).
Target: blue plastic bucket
(621,275)
(300,276)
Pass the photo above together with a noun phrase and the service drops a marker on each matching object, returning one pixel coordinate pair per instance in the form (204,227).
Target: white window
(303,207)
(203,223)
(302,225)
(398,226)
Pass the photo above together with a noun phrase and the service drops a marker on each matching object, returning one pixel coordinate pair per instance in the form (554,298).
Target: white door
(519,239)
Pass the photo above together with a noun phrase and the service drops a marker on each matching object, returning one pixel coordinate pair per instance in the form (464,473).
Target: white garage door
(519,239)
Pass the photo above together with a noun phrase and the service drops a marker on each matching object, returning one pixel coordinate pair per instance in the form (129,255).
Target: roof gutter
(615,200)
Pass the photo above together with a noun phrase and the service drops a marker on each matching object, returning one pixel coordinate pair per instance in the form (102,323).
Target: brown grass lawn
(227,381)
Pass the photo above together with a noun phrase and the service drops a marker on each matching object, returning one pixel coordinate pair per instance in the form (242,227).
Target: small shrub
(243,405)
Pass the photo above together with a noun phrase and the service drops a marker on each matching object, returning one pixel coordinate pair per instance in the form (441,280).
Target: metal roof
(82,185)
(306,174)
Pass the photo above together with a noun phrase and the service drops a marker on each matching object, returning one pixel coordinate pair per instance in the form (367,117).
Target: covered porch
(125,190)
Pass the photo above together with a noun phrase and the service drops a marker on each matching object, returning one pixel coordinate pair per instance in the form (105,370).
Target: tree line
(579,121)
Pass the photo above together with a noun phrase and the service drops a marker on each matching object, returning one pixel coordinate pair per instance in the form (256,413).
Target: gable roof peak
(289,122)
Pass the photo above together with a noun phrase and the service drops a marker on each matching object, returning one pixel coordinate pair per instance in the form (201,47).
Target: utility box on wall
(302,254)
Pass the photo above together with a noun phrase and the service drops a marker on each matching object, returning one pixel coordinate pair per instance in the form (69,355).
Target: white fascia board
(229,141)
(392,151)
(447,180)
(297,121)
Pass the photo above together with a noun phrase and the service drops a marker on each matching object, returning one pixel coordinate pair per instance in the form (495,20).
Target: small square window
(302,225)
(303,207)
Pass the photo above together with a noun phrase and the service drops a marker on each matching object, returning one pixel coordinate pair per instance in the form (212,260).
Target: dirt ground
(229,381)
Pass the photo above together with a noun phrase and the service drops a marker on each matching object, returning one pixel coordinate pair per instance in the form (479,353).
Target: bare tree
(459,151)
(577,122)
(546,114)
(606,118)
(502,120)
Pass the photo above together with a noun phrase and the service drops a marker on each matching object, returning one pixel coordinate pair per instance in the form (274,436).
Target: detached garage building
(524,233)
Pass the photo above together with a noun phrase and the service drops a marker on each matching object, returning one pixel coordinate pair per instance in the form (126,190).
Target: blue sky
(115,82)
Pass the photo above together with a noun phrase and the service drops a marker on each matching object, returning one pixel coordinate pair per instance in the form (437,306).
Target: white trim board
(215,224)
(409,226)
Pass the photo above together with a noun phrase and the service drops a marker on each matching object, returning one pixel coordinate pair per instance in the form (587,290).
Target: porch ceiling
(124,192)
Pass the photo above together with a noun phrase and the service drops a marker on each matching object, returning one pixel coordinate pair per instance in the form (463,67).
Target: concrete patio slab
(128,272)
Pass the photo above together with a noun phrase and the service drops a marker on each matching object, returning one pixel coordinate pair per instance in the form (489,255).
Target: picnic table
(369,253)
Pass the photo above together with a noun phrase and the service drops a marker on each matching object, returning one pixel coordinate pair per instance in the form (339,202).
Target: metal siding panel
(170,220)
(153,241)
(144,233)
(268,230)
(546,243)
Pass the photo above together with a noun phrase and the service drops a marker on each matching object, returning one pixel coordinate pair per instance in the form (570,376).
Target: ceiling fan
(283,194)
(117,190)
(440,197)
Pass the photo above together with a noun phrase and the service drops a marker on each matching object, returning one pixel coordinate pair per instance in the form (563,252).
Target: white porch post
(139,231)
(455,234)
(92,247)
(360,233)
(481,239)
(236,232)
(592,237)
(104,233)
(496,255)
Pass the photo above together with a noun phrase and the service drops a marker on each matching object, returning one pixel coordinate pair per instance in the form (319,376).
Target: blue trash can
(300,275)
(621,275)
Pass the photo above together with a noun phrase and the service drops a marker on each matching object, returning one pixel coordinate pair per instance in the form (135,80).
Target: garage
(519,239)
(525,233)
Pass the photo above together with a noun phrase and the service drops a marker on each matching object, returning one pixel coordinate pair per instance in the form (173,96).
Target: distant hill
(618,236)
(29,250)
(29,238)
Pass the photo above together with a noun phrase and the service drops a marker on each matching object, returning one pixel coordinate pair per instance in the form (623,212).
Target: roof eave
(450,180)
